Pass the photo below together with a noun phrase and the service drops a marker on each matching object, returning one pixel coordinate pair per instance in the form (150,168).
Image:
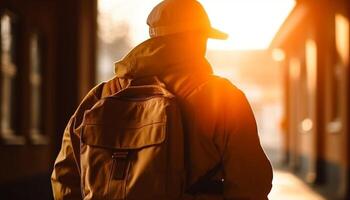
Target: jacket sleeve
(65,178)
(247,171)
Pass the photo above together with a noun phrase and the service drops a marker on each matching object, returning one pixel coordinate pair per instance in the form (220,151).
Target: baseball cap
(177,16)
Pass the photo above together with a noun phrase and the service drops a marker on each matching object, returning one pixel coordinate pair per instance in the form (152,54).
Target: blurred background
(290,57)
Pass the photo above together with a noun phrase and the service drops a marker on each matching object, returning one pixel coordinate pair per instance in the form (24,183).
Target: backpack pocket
(127,158)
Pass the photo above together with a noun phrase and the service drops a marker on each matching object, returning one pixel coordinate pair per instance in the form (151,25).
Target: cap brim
(217,34)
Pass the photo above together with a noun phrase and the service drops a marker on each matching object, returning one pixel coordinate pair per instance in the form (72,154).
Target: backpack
(132,146)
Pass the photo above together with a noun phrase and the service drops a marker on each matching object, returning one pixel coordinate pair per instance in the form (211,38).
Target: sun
(251,24)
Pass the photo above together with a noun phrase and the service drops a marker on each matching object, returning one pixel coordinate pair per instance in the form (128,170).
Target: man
(224,156)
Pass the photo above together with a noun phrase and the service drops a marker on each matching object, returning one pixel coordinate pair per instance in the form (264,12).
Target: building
(47,65)
(315,39)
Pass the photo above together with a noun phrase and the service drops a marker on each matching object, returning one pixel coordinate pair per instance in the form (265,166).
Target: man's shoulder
(223,85)
(101,90)
(216,90)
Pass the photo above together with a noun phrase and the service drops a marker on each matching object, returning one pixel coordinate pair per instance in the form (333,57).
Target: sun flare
(251,24)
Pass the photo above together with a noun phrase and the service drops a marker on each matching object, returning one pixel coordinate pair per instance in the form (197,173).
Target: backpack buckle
(120,159)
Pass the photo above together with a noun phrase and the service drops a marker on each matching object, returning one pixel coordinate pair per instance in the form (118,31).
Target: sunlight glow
(278,55)
(251,24)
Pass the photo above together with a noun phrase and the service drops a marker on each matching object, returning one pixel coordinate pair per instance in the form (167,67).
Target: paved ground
(286,186)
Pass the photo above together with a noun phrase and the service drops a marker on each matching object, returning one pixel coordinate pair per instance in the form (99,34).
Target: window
(35,82)
(341,60)
(338,74)
(8,108)
(342,38)
(308,87)
(311,65)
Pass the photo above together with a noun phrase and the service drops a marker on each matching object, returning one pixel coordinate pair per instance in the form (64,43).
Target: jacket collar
(158,56)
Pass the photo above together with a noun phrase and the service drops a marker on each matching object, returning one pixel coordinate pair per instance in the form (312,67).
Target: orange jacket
(218,121)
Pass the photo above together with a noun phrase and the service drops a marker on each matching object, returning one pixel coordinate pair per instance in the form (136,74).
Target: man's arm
(65,178)
(247,171)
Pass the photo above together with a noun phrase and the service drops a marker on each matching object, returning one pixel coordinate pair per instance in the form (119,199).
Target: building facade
(47,65)
(315,39)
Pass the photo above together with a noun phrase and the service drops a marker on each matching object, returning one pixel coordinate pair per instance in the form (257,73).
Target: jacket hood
(157,56)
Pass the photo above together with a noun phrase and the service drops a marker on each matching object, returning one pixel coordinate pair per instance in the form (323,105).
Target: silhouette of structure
(315,39)
(47,65)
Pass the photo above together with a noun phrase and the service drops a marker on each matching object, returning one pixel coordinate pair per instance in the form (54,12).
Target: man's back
(223,155)
(222,141)
(220,128)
